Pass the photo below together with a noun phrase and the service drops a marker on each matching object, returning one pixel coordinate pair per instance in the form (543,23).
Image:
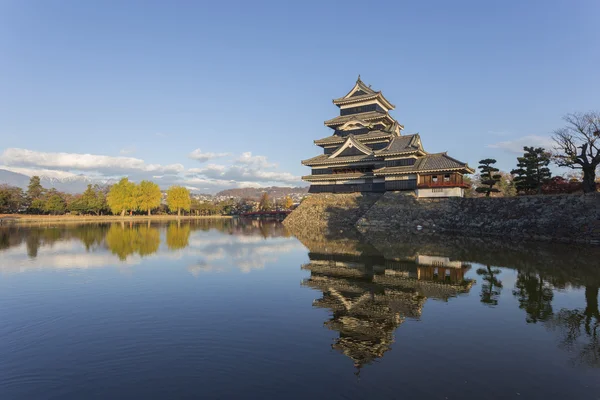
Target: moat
(235,308)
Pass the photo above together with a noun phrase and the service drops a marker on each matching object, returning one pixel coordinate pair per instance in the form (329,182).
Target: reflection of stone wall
(560,218)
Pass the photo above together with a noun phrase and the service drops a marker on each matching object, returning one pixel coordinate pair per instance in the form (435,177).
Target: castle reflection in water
(370,296)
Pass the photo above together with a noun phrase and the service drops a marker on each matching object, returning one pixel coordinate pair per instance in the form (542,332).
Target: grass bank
(6,219)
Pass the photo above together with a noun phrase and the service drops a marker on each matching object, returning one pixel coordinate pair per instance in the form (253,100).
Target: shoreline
(11,219)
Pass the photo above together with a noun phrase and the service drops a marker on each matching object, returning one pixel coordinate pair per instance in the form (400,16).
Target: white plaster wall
(444,192)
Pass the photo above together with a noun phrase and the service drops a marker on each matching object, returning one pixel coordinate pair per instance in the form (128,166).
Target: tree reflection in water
(578,330)
(492,286)
(534,296)
(178,235)
(124,240)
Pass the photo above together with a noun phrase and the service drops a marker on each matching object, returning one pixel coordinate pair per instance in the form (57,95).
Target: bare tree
(578,146)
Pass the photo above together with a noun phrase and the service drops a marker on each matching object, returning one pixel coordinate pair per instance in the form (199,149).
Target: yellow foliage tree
(148,196)
(178,198)
(288,203)
(122,197)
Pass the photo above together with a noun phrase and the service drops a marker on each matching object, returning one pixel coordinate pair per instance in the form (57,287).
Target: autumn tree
(178,198)
(148,196)
(488,176)
(288,203)
(578,146)
(265,203)
(122,197)
(532,170)
(11,199)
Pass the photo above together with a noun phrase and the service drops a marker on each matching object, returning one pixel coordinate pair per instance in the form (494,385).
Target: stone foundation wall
(330,211)
(560,218)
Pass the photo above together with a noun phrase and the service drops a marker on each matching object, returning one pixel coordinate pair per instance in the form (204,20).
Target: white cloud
(41,172)
(516,145)
(83,162)
(242,173)
(198,155)
(255,161)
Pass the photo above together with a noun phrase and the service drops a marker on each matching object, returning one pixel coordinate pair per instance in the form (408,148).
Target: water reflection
(373,284)
(578,330)
(242,242)
(370,295)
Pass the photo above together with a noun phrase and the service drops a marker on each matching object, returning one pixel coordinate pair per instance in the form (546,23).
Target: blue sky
(140,85)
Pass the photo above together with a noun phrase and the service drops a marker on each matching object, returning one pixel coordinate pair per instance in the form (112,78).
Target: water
(234,309)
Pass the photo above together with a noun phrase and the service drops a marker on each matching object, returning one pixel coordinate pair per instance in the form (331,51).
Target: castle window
(434,178)
(447,178)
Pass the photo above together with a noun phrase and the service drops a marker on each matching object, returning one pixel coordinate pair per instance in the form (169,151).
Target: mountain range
(73,184)
(78,183)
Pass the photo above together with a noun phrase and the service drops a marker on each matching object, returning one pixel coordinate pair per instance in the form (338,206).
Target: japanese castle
(367,152)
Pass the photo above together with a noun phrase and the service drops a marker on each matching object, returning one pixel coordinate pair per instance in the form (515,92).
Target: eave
(357,99)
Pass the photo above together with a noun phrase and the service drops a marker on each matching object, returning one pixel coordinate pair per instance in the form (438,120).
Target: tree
(91,201)
(148,196)
(121,197)
(265,203)
(178,198)
(578,146)
(532,171)
(55,204)
(12,199)
(488,177)
(35,191)
(288,203)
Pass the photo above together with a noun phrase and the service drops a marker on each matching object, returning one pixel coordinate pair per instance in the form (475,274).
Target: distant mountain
(274,192)
(74,184)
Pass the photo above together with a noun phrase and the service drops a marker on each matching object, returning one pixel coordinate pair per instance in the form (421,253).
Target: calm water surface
(234,309)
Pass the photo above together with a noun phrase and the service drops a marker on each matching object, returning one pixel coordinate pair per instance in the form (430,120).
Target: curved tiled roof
(335,139)
(427,163)
(402,144)
(324,159)
(367,116)
(329,177)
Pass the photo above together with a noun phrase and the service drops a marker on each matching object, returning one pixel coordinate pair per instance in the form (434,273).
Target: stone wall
(563,218)
(560,218)
(327,211)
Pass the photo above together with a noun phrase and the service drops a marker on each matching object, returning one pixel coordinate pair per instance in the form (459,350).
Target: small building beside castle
(367,152)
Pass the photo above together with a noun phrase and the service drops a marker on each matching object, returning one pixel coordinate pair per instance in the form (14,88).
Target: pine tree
(532,171)
(489,177)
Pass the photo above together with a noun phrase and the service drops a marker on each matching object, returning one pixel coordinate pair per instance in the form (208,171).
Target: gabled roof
(372,135)
(438,162)
(366,116)
(402,144)
(352,142)
(361,92)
